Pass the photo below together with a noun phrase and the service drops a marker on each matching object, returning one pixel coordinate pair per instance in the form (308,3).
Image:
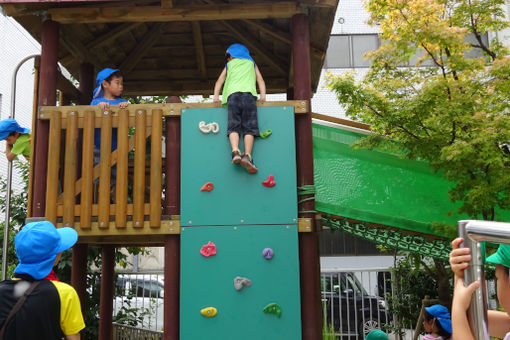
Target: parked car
(349,308)
(139,301)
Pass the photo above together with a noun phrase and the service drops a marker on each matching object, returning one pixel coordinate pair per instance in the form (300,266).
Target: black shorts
(242,114)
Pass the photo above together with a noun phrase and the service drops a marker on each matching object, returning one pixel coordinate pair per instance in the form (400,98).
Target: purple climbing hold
(268,253)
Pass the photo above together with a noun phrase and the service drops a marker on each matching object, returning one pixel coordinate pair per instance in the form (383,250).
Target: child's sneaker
(247,163)
(236,157)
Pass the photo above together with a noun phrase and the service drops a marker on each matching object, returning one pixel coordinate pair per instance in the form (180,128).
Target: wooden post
(70,169)
(79,273)
(121,185)
(106,297)
(47,96)
(105,170)
(155,169)
(172,242)
(52,170)
(79,259)
(139,171)
(311,311)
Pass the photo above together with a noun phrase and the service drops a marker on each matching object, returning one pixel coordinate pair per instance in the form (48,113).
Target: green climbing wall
(242,218)
(208,282)
(238,197)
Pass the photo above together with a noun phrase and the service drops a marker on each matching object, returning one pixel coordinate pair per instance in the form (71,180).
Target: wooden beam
(320,3)
(251,42)
(341,121)
(162,88)
(104,39)
(140,50)
(167,3)
(280,35)
(233,11)
(76,48)
(199,49)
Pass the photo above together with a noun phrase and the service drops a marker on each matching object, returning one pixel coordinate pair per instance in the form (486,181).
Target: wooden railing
(80,193)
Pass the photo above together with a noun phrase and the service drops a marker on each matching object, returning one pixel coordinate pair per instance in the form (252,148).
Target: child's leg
(234,141)
(248,144)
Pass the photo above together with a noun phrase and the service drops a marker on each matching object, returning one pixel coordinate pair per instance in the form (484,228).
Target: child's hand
(459,258)
(216,99)
(123,105)
(462,295)
(262,98)
(104,106)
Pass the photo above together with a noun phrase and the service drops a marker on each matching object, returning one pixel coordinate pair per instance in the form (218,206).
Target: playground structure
(176,47)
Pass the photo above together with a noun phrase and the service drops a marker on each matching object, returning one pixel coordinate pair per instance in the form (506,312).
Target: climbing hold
(211,127)
(208,249)
(207,187)
(269,182)
(266,133)
(209,312)
(268,253)
(273,308)
(240,282)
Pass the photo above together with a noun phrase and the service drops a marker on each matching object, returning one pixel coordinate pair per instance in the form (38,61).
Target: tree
(453,114)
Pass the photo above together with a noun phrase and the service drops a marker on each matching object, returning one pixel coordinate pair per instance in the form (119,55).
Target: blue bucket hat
(502,256)
(9,125)
(37,246)
(102,75)
(376,334)
(442,314)
(239,51)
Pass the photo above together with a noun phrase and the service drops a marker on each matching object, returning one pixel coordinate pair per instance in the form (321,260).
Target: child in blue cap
(240,95)
(498,322)
(108,91)
(16,137)
(437,323)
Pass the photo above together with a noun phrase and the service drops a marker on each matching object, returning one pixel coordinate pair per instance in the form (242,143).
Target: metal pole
(473,232)
(9,172)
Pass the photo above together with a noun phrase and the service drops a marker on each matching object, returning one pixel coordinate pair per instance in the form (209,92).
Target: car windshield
(346,283)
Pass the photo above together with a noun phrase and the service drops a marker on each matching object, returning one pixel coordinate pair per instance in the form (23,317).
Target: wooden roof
(177,46)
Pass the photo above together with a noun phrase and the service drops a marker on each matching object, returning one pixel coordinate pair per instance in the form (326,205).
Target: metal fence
(123,332)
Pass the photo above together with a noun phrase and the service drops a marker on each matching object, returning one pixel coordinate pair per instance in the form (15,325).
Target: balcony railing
(80,192)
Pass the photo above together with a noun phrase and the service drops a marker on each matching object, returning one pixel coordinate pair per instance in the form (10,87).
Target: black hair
(115,74)
(12,133)
(440,330)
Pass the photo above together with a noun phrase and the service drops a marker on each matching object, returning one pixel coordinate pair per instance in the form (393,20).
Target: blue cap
(37,246)
(9,125)
(239,51)
(442,314)
(102,75)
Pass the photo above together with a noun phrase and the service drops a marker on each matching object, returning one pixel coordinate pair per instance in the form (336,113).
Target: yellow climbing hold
(209,312)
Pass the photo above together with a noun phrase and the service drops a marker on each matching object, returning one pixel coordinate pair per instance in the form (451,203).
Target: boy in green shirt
(240,95)
(17,139)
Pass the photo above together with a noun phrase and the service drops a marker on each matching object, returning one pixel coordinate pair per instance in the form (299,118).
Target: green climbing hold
(266,133)
(273,308)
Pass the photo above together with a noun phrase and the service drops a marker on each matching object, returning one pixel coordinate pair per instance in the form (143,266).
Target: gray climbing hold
(241,282)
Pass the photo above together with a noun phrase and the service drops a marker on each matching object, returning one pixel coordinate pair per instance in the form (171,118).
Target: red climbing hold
(208,249)
(269,182)
(207,186)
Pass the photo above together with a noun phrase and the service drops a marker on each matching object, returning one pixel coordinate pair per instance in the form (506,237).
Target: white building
(15,44)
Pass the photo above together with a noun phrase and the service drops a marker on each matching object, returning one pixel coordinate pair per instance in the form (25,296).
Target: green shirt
(22,145)
(240,78)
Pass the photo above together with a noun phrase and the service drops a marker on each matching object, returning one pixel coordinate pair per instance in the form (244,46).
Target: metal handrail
(473,232)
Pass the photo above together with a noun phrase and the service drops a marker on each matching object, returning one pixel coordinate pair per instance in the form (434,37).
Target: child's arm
(499,323)
(219,84)
(261,83)
(460,305)
(10,156)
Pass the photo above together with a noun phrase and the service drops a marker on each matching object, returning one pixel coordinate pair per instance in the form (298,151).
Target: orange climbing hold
(269,182)
(207,186)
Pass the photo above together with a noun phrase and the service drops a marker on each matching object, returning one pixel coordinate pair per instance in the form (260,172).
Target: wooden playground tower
(167,47)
